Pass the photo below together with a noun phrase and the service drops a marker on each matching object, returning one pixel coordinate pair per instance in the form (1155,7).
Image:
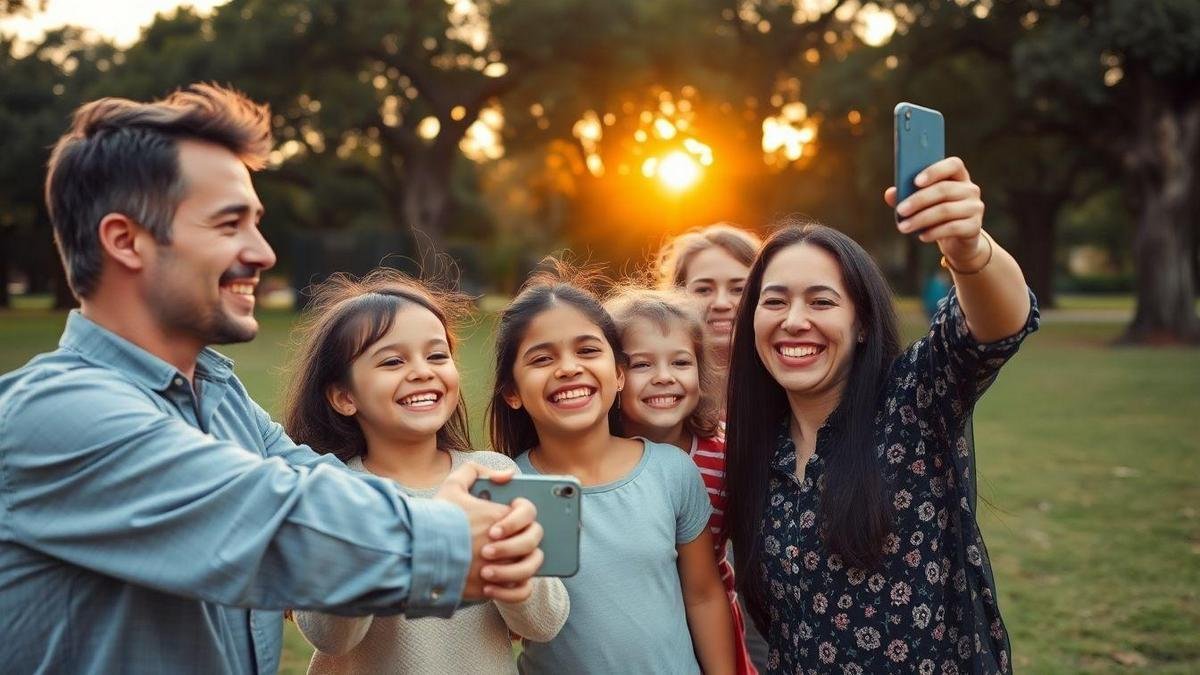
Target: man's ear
(341,400)
(123,240)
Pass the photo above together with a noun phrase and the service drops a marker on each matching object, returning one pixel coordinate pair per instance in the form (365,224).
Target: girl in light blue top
(647,597)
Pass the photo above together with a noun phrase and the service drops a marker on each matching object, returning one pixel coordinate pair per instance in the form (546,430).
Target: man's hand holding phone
(505,538)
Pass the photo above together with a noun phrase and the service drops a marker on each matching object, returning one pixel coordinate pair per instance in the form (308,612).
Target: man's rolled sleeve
(441,557)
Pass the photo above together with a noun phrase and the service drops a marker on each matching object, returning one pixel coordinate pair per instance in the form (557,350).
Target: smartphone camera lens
(566,491)
(485,494)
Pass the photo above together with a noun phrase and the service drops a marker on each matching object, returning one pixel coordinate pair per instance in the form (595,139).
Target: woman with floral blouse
(852,485)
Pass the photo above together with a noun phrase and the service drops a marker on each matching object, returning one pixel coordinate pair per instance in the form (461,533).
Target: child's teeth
(574,393)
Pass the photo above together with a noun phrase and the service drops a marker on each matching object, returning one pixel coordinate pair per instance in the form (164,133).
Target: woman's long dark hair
(345,317)
(855,514)
(512,431)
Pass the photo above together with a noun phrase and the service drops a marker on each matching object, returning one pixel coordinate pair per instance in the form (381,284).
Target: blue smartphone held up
(558,500)
(919,140)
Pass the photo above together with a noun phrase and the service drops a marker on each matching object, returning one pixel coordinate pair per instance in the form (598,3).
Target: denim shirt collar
(104,347)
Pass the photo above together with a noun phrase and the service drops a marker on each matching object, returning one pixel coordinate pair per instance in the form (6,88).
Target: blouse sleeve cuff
(953,322)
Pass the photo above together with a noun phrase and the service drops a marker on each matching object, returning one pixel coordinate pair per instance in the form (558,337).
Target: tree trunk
(1163,160)
(1036,216)
(426,199)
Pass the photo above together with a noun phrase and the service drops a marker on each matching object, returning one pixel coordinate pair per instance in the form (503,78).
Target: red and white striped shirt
(709,456)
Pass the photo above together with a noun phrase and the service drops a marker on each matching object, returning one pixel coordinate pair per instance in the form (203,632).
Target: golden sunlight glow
(468,24)
(700,150)
(589,130)
(873,25)
(118,20)
(429,128)
(495,69)
(482,141)
(678,171)
(595,165)
(650,167)
(787,135)
(664,129)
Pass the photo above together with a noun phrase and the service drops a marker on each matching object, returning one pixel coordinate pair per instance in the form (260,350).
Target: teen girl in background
(710,264)
(377,386)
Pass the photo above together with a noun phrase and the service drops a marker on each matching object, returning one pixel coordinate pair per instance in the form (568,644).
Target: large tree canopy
(498,129)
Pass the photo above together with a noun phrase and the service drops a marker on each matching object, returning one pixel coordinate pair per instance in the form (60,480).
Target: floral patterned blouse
(931,608)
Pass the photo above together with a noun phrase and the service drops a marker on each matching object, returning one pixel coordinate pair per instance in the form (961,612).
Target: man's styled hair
(122,156)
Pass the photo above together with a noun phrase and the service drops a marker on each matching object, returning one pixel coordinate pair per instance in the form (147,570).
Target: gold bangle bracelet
(991,249)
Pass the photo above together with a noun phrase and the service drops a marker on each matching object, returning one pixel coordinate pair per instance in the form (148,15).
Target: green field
(1088,455)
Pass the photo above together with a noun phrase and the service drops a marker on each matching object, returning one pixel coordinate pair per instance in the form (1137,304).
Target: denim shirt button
(179,382)
(436,593)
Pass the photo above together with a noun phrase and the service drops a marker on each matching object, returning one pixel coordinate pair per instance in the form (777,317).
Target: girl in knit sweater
(377,386)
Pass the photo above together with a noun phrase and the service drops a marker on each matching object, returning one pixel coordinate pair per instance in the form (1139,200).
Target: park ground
(1089,461)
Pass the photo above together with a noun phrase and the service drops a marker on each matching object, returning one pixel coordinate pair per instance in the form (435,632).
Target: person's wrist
(976,261)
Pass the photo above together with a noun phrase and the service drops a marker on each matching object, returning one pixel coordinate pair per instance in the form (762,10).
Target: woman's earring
(861,338)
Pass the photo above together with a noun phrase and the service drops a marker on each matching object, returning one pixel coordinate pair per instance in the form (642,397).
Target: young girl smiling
(377,386)
(647,597)
(669,398)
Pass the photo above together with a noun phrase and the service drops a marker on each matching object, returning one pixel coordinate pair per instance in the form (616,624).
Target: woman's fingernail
(489,551)
(497,532)
(903,225)
(920,179)
(488,573)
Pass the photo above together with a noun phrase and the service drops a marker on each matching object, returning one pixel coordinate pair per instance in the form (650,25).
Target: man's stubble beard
(180,314)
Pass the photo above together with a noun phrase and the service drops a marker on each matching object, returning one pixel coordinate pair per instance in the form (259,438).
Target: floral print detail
(931,607)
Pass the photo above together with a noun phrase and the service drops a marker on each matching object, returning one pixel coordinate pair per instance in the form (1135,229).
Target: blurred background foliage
(499,131)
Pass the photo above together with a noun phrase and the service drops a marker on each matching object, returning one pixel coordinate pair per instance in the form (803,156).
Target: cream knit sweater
(474,640)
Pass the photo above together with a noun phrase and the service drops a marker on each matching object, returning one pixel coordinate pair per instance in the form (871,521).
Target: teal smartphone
(919,140)
(558,500)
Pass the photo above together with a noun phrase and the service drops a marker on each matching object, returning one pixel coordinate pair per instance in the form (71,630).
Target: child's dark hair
(663,309)
(512,431)
(345,317)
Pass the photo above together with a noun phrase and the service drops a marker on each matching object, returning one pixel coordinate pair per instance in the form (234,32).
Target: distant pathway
(1087,315)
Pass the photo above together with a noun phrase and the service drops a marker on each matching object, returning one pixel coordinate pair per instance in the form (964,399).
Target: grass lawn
(1089,456)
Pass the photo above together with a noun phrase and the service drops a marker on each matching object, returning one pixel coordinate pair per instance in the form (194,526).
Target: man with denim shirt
(153,518)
